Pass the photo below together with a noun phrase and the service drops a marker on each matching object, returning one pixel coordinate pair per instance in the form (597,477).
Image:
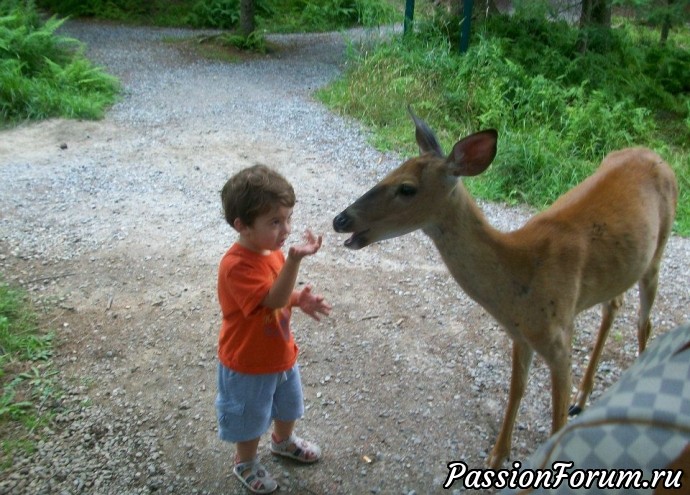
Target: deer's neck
(479,257)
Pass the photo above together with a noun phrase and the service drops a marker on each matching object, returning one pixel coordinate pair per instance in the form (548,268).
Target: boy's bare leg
(246,451)
(282,429)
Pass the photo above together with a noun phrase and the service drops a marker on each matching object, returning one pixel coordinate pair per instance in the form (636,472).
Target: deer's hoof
(496,460)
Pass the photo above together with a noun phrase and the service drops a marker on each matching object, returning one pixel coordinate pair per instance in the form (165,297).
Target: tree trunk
(666,25)
(601,13)
(596,14)
(247,24)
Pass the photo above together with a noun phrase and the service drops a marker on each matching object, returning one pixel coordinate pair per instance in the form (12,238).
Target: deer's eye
(407,190)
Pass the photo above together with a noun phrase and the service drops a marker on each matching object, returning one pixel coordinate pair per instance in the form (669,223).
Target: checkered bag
(620,444)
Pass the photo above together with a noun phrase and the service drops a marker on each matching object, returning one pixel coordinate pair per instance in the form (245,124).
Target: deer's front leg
(522,359)
(560,386)
(608,314)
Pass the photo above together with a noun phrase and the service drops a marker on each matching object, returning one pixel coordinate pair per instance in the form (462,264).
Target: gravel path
(115,228)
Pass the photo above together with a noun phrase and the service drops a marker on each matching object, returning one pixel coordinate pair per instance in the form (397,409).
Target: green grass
(329,15)
(558,112)
(27,375)
(43,75)
(271,15)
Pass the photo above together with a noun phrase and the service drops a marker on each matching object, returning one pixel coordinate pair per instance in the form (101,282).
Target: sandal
(296,448)
(254,476)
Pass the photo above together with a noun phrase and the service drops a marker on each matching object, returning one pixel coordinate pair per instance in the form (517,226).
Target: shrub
(44,75)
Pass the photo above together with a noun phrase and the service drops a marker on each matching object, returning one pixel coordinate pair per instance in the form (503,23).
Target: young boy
(258,375)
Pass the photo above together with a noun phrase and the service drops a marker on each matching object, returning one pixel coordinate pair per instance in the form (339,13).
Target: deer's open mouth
(358,240)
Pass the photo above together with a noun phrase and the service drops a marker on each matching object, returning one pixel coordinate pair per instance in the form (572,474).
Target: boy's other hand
(312,304)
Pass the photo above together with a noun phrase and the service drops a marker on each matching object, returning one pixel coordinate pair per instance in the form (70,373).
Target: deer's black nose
(341,222)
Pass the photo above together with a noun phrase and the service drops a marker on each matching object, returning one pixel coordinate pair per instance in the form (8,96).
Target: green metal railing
(466,22)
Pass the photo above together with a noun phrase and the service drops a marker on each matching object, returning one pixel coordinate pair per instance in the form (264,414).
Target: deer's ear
(473,154)
(426,139)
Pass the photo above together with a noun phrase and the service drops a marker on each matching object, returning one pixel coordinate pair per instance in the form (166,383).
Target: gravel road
(115,229)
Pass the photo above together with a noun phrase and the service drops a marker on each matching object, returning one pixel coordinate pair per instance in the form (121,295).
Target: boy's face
(268,232)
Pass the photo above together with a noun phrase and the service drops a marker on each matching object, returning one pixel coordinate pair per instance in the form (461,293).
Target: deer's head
(410,197)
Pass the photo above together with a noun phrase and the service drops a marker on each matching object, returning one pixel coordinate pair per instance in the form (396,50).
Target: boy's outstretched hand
(312,304)
(310,246)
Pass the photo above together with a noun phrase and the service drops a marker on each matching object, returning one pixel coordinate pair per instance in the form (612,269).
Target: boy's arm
(280,294)
(294,298)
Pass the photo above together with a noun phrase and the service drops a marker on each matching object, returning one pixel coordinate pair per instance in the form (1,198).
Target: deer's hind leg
(649,282)
(608,314)
(647,286)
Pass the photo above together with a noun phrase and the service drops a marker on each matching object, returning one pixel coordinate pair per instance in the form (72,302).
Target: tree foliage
(591,15)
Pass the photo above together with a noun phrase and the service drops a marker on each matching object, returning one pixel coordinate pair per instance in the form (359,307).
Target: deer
(588,248)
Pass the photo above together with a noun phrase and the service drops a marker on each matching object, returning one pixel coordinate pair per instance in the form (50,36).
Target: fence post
(409,16)
(466,24)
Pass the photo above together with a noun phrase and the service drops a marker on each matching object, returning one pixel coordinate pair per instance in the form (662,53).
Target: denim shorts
(246,404)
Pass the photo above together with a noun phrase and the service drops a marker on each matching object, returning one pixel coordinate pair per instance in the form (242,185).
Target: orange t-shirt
(253,339)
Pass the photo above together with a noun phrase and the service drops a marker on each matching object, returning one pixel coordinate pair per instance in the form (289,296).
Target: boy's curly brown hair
(254,191)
